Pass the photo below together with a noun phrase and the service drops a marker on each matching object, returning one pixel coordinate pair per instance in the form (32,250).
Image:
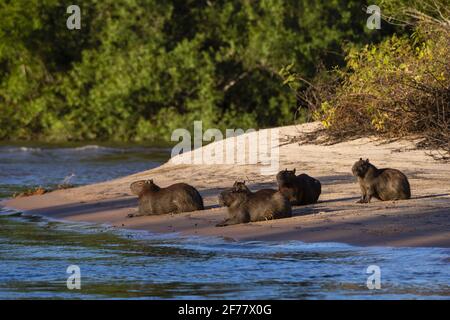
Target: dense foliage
(137,69)
(399,87)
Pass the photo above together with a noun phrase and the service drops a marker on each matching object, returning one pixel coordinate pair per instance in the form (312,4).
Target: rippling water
(35,252)
(32,166)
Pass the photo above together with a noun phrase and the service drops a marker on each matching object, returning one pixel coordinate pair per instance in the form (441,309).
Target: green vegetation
(137,69)
(396,88)
(399,87)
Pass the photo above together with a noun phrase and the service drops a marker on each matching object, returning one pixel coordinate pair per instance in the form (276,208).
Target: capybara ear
(294,170)
(360,159)
(367,160)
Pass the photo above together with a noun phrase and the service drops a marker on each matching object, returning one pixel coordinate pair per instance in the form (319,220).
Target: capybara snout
(360,167)
(139,187)
(225,198)
(237,191)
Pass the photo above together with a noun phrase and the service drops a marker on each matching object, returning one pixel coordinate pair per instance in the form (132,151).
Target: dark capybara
(245,206)
(299,190)
(383,184)
(153,200)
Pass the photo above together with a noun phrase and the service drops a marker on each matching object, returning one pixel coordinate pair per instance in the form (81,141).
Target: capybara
(383,184)
(299,190)
(245,206)
(154,200)
(238,185)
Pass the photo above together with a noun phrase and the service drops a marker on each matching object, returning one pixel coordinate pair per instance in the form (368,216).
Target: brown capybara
(245,206)
(383,184)
(241,185)
(153,200)
(299,190)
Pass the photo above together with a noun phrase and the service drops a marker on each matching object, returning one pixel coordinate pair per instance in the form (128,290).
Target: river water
(35,252)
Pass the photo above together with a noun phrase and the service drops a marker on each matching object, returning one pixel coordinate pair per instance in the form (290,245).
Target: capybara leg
(363,194)
(370,193)
(362,200)
(365,199)
(227,222)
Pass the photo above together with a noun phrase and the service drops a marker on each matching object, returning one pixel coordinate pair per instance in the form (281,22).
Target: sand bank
(422,221)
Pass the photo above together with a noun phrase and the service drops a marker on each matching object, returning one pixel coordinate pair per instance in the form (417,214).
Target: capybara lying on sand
(241,185)
(154,200)
(299,190)
(245,206)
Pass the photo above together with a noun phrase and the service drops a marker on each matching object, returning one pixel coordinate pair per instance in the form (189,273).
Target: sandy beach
(422,221)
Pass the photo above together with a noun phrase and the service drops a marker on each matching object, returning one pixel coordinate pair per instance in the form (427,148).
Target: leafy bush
(400,87)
